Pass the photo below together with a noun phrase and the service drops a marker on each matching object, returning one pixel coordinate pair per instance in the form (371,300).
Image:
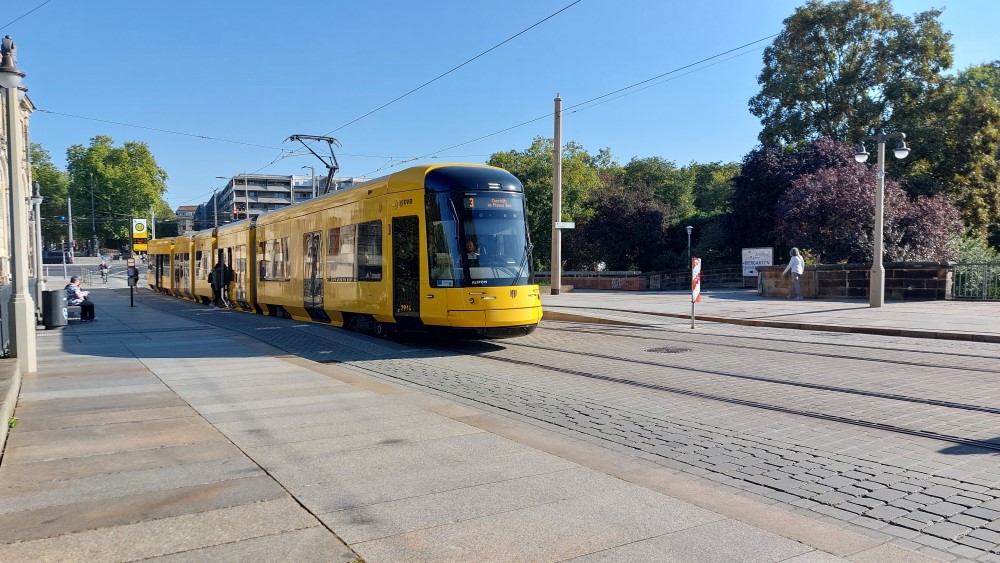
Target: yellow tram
(442,246)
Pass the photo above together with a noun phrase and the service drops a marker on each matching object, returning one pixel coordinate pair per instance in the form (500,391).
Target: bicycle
(104,276)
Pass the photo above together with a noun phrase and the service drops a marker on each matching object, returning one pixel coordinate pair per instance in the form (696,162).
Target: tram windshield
(477,239)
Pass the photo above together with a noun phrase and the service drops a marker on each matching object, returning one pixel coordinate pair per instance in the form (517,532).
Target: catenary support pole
(555,268)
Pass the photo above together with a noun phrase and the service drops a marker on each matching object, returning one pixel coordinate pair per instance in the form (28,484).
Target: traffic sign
(565,225)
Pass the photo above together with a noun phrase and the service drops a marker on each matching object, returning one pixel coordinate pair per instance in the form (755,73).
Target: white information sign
(753,257)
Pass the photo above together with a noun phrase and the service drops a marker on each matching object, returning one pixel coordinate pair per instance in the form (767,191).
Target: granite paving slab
(109,486)
(25,474)
(550,532)
(166,436)
(308,545)
(86,405)
(168,535)
(381,520)
(334,493)
(385,432)
(42,422)
(725,541)
(110,512)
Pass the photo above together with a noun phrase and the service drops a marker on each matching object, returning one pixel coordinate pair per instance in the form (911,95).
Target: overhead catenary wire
(597,100)
(429,82)
(400,160)
(18,18)
(453,69)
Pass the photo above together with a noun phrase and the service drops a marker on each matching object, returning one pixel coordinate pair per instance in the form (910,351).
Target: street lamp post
(876,285)
(313,170)
(215,207)
(93,221)
(22,311)
(689,229)
(36,208)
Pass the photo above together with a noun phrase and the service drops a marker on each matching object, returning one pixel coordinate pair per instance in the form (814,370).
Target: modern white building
(249,195)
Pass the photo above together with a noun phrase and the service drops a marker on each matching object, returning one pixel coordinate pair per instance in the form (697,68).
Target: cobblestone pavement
(893,436)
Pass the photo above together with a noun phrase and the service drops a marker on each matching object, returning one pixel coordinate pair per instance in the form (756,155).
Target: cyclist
(104,271)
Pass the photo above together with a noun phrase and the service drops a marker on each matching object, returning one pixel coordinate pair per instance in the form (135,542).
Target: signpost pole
(695,285)
(131,282)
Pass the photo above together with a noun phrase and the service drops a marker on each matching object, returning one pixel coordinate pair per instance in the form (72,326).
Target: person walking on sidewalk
(76,296)
(796,265)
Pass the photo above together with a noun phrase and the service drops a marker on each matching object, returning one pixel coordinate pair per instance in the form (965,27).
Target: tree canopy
(955,138)
(122,182)
(54,187)
(842,69)
(627,217)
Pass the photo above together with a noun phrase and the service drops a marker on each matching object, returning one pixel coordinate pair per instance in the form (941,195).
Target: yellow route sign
(139,235)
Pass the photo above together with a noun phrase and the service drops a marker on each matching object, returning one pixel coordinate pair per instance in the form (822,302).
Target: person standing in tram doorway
(796,266)
(220,278)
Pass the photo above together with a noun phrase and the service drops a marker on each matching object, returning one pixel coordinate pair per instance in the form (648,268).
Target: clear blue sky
(256,71)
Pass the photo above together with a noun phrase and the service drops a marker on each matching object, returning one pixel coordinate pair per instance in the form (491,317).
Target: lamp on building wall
(313,170)
(22,311)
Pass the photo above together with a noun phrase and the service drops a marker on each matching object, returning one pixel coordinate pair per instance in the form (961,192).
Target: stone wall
(903,281)
(625,280)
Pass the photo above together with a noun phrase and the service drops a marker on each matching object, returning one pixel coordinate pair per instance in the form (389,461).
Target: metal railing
(719,277)
(976,281)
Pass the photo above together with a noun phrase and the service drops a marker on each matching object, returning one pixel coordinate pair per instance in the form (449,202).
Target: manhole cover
(668,350)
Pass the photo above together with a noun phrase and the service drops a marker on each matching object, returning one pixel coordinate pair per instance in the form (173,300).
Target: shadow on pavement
(160,326)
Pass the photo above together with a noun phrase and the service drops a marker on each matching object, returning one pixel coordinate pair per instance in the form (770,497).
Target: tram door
(406,268)
(312,276)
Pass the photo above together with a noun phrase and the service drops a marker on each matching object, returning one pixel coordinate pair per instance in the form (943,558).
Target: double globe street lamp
(876,285)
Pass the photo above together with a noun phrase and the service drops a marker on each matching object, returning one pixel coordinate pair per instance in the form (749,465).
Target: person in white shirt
(796,265)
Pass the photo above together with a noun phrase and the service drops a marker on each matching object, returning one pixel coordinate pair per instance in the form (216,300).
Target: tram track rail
(764,379)
(768,452)
(787,410)
(785,341)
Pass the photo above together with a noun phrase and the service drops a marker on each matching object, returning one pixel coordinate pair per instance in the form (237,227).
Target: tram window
(370,251)
(312,266)
(198,275)
(442,264)
(274,266)
(340,250)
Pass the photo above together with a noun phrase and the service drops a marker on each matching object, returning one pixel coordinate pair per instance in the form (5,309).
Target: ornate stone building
(22,166)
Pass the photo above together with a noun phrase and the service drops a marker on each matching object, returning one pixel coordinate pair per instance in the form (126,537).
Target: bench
(70,310)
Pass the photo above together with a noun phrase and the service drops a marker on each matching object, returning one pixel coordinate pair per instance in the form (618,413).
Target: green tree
(668,184)
(842,69)
(956,133)
(123,182)
(626,231)
(533,167)
(713,186)
(54,187)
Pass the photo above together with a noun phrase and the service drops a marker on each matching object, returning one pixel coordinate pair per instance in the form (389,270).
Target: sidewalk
(154,435)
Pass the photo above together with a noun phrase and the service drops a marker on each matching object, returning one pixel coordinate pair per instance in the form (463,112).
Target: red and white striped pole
(695,285)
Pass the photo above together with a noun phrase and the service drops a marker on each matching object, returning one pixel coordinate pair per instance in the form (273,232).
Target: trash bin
(54,309)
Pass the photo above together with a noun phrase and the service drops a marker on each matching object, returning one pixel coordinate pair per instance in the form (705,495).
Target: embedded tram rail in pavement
(174,430)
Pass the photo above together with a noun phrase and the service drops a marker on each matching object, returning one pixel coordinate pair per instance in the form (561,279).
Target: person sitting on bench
(76,296)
